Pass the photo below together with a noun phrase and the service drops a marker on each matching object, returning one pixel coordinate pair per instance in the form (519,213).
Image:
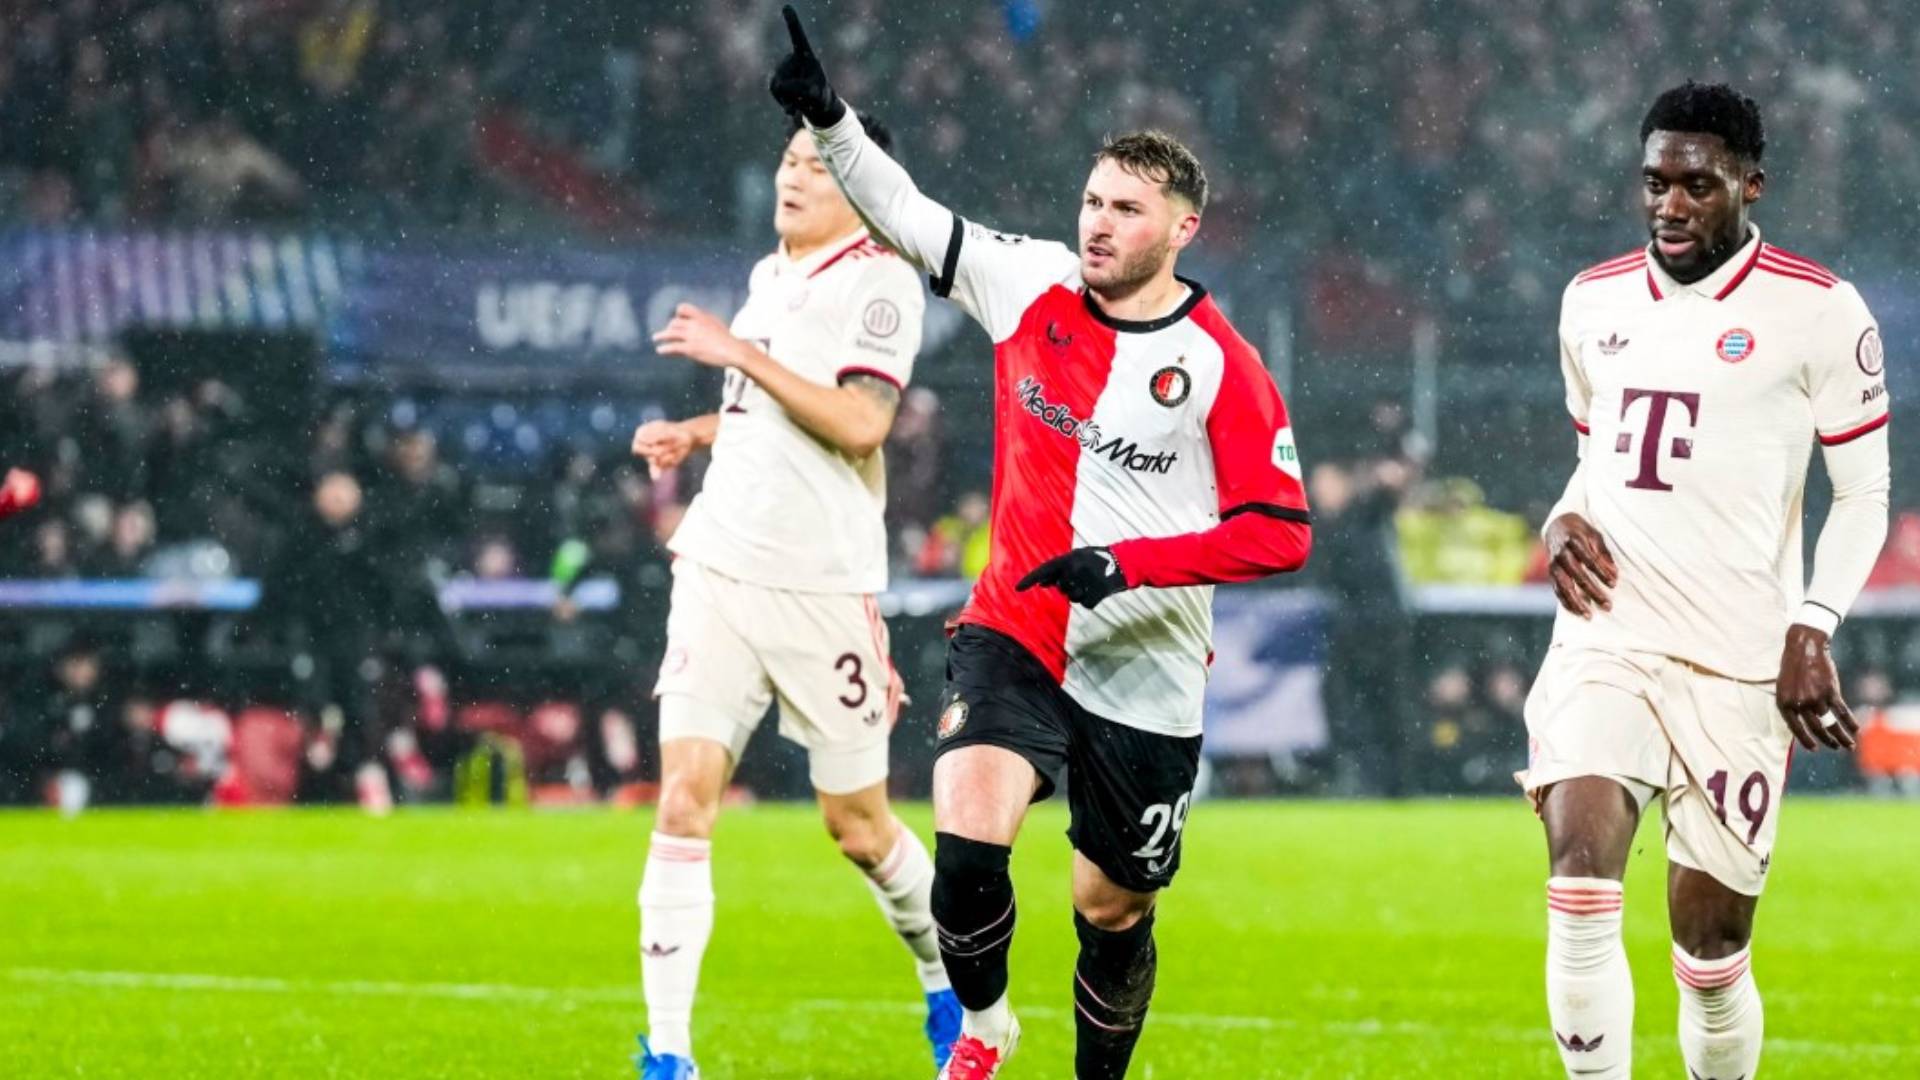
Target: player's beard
(1133,271)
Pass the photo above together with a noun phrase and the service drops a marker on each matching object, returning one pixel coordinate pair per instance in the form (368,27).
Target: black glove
(800,83)
(1085,575)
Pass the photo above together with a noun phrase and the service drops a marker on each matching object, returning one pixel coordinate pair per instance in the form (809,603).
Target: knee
(865,841)
(1586,860)
(1113,913)
(685,809)
(1714,939)
(968,874)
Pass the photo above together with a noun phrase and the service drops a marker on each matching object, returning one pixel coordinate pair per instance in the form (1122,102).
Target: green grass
(1302,940)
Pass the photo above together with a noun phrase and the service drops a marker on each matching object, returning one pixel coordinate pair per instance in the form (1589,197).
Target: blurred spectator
(956,545)
(1450,536)
(112,427)
(417,507)
(1475,736)
(916,464)
(1370,647)
(129,543)
(72,737)
(217,173)
(327,596)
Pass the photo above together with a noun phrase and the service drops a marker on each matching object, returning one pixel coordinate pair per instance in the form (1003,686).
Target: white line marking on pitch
(567,996)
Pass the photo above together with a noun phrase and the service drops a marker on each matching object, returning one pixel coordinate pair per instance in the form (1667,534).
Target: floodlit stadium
(1022,539)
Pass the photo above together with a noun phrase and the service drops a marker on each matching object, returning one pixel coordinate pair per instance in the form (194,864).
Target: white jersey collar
(818,260)
(1715,286)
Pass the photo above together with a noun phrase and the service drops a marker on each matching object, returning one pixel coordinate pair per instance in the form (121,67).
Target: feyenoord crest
(1869,353)
(952,720)
(1734,345)
(1170,386)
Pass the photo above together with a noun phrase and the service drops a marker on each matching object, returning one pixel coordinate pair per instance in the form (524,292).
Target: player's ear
(1185,226)
(1755,186)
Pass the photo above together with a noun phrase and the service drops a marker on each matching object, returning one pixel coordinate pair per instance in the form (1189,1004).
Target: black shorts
(1128,790)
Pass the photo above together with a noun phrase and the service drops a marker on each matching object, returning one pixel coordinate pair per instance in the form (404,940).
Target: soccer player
(1685,663)
(1143,454)
(779,559)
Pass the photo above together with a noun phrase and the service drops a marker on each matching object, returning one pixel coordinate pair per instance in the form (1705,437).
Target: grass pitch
(1302,940)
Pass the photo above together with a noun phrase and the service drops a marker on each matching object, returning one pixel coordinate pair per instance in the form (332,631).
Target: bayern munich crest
(1170,386)
(1735,345)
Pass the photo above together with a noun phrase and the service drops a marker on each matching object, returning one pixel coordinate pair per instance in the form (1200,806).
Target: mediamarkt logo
(1122,452)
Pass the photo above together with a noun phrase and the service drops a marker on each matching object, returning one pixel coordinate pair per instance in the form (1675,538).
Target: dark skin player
(1696,194)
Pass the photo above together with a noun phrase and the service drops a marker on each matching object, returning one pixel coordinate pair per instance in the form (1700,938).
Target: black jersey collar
(1147,326)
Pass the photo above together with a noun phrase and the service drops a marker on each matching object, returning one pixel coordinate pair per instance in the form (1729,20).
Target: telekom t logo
(1657,402)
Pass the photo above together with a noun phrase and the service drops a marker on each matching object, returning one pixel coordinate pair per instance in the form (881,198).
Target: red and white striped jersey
(1699,406)
(1165,440)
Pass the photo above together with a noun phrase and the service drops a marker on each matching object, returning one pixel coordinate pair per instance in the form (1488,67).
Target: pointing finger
(794,30)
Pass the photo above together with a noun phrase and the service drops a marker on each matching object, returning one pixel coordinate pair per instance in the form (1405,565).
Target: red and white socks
(903,886)
(1589,986)
(1721,1021)
(676,921)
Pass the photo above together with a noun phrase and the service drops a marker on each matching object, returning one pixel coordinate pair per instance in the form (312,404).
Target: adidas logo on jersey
(1613,344)
(1125,453)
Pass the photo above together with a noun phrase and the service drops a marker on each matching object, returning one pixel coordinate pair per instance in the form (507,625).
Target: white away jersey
(1700,405)
(780,507)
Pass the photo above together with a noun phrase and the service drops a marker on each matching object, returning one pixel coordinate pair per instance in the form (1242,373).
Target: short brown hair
(1162,159)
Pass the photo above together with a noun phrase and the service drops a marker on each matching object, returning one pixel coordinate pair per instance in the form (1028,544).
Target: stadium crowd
(1472,155)
(1461,169)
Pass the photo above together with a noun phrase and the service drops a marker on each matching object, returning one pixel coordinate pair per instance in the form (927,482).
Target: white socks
(903,885)
(676,920)
(991,1025)
(1589,987)
(1720,1016)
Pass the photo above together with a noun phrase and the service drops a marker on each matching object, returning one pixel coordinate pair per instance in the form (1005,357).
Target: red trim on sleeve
(1783,270)
(1582,428)
(840,376)
(1800,262)
(1867,428)
(1246,547)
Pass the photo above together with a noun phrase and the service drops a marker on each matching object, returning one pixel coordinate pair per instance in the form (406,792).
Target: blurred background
(325,324)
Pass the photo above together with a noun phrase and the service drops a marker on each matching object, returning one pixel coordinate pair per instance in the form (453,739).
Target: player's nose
(1673,205)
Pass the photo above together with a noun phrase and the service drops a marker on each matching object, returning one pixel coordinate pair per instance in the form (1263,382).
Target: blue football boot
(654,1066)
(943,1025)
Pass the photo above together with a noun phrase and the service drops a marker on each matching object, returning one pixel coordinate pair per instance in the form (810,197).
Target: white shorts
(735,647)
(1716,748)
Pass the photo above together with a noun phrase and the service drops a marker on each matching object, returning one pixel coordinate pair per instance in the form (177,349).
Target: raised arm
(993,276)
(880,190)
